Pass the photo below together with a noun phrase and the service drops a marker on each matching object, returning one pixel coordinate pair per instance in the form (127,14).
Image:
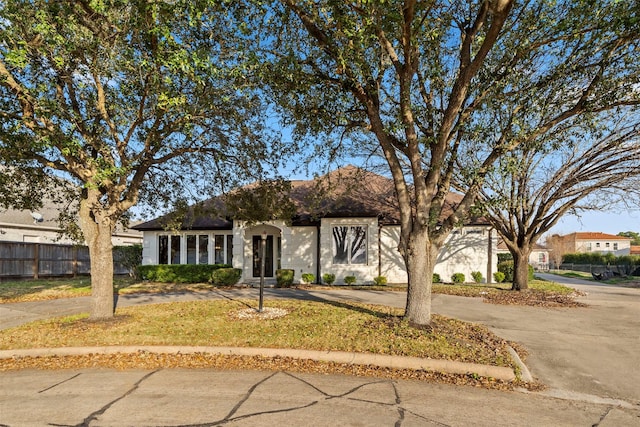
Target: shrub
(349,280)
(498,276)
(506,268)
(458,278)
(226,276)
(180,273)
(328,278)
(477,276)
(436,278)
(284,278)
(308,277)
(380,280)
(129,257)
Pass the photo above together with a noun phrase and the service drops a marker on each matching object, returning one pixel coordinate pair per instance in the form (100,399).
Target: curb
(350,358)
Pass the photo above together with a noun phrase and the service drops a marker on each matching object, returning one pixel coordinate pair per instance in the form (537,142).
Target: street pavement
(588,357)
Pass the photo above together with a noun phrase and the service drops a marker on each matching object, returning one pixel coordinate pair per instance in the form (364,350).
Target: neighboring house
(42,226)
(351,227)
(595,242)
(538,258)
(634,250)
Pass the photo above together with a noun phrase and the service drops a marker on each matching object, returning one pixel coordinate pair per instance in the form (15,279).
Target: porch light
(263,252)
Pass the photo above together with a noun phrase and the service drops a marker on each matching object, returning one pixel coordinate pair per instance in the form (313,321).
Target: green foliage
(477,276)
(129,257)
(226,276)
(458,278)
(263,201)
(436,278)
(506,268)
(598,258)
(499,276)
(308,277)
(328,278)
(349,280)
(180,273)
(634,236)
(380,280)
(284,278)
(505,257)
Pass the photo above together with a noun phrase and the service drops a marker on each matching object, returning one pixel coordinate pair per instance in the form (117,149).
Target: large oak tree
(574,169)
(424,80)
(125,100)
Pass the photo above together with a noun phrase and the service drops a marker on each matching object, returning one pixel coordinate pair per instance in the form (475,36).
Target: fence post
(36,261)
(74,264)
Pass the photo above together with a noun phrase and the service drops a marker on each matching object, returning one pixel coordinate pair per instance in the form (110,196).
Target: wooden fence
(20,260)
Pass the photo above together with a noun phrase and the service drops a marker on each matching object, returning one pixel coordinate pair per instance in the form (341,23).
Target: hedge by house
(180,273)
(601,259)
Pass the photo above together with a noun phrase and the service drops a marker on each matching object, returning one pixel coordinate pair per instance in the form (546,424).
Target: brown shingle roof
(343,193)
(597,236)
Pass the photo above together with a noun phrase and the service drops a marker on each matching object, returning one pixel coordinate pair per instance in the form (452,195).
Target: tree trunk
(97,232)
(520,271)
(420,261)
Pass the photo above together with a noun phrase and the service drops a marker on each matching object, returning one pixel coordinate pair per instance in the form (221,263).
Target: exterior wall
(363,272)
(466,250)
(391,263)
(301,253)
(39,234)
(604,246)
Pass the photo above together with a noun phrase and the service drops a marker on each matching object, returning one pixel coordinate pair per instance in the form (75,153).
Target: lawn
(304,325)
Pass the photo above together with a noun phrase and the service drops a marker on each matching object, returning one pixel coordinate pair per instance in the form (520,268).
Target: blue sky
(610,222)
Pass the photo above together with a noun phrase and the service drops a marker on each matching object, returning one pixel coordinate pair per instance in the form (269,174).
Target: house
(581,242)
(345,223)
(634,250)
(42,226)
(538,258)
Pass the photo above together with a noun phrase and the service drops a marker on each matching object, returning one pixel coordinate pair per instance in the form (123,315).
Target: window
(615,246)
(203,249)
(192,250)
(597,244)
(349,244)
(175,249)
(168,249)
(607,244)
(163,249)
(218,250)
(230,249)
(542,258)
(588,247)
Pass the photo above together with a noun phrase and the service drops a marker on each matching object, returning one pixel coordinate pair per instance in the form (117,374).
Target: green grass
(480,289)
(309,325)
(44,289)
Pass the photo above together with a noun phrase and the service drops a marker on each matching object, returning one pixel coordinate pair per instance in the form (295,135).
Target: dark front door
(268,259)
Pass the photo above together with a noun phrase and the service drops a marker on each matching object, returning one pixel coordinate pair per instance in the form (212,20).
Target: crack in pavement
(93,416)
(59,383)
(603,416)
(327,396)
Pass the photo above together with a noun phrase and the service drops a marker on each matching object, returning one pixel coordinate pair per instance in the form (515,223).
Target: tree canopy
(128,100)
(440,83)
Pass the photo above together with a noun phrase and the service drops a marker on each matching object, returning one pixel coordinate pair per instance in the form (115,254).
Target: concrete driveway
(589,357)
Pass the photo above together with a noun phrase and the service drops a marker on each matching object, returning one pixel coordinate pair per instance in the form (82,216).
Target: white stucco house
(351,230)
(538,258)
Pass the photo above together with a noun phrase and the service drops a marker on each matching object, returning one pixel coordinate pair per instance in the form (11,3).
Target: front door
(268,259)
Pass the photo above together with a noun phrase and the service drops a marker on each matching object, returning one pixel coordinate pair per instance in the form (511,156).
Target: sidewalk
(203,397)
